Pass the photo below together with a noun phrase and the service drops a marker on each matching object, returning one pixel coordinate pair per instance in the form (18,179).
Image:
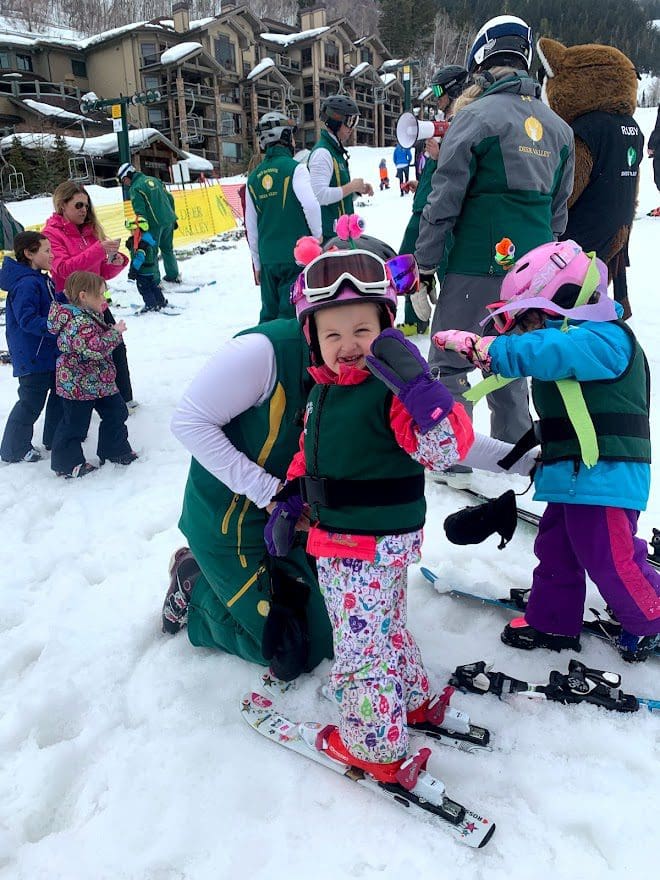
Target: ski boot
(519,634)
(183,571)
(636,649)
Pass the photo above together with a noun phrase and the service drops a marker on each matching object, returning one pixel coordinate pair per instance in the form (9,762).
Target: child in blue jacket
(590,385)
(143,270)
(33,350)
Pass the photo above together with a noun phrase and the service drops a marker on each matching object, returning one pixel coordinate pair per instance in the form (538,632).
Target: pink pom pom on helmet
(307,249)
(349,226)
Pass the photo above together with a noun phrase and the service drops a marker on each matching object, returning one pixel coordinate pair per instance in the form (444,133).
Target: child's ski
(602,626)
(427,797)
(187,288)
(580,685)
(169,311)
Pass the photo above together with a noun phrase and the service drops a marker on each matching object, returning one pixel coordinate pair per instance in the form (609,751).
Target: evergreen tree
(41,178)
(60,161)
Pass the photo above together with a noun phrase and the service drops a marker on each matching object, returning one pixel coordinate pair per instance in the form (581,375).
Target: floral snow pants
(378,675)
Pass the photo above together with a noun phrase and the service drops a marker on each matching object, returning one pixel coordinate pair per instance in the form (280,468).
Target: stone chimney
(181,16)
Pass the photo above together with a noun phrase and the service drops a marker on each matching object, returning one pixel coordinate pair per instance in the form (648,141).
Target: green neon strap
(486,386)
(580,419)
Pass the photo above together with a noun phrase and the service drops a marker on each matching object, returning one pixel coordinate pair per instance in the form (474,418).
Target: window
(230,94)
(331,56)
(308,112)
(78,68)
(308,90)
(225,53)
(151,82)
(156,118)
(5,60)
(232,151)
(306,57)
(23,62)
(365,55)
(148,51)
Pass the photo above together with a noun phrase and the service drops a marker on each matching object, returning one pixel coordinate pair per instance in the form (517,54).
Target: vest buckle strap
(314,490)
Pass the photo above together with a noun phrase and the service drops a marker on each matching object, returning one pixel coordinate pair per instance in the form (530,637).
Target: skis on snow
(580,685)
(427,797)
(603,626)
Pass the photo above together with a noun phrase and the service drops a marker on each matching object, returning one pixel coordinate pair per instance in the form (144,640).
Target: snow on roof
(360,67)
(387,78)
(49,110)
(200,22)
(422,95)
(394,62)
(288,39)
(103,145)
(178,53)
(259,68)
(197,163)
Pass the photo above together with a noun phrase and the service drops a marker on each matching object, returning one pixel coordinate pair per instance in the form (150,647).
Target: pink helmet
(538,276)
(339,276)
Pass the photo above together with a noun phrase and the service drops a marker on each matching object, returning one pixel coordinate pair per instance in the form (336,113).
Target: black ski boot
(636,649)
(519,634)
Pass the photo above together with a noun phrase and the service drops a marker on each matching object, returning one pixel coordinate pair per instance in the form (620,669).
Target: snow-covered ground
(123,755)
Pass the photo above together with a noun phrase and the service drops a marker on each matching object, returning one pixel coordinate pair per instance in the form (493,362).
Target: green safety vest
(619,410)
(280,217)
(340,177)
(348,439)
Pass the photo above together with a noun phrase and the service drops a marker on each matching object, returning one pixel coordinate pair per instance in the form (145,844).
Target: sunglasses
(79,205)
(438,90)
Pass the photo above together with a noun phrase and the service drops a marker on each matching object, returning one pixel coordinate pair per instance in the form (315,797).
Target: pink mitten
(349,226)
(307,249)
(471,346)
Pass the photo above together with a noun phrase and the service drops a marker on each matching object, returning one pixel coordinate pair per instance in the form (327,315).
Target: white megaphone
(409,129)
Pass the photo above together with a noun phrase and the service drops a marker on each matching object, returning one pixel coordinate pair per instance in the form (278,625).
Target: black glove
(285,640)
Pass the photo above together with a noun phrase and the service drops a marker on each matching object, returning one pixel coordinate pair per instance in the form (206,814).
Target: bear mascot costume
(594,89)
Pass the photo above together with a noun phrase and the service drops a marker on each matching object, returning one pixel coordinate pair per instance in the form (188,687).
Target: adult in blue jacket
(403,161)
(33,349)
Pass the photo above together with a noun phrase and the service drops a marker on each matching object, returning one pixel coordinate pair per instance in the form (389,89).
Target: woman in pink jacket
(79,243)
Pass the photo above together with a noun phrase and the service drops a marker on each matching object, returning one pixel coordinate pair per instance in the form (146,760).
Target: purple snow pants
(575,539)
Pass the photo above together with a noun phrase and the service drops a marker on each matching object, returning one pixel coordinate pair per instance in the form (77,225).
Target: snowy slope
(122,752)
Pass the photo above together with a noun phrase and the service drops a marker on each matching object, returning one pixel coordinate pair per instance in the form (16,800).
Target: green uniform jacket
(421,195)
(340,177)
(367,452)
(280,217)
(152,201)
(505,170)
(230,599)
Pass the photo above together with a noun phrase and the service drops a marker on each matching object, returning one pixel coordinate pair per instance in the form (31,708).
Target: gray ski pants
(461,305)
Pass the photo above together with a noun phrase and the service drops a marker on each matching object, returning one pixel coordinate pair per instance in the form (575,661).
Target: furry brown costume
(594,89)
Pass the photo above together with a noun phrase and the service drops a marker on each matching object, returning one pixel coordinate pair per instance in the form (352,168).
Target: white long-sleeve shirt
(321,168)
(304,192)
(241,375)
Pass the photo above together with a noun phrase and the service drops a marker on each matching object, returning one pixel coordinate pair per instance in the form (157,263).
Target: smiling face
(42,258)
(346,332)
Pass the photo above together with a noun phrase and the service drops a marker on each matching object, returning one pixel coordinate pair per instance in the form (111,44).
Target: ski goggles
(137,223)
(351,121)
(367,273)
(438,90)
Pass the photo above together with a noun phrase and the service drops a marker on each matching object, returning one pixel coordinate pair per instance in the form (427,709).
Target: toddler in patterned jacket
(85,378)
(374,421)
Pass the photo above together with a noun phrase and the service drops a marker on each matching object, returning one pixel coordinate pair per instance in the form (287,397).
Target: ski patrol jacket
(419,201)
(340,177)
(505,169)
(152,201)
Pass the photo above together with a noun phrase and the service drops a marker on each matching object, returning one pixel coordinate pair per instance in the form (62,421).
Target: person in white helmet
(280,208)
(505,170)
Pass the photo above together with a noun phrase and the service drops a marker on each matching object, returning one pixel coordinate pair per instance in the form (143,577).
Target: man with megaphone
(447,84)
(505,170)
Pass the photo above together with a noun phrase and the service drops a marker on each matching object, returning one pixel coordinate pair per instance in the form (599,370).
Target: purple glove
(398,363)
(280,529)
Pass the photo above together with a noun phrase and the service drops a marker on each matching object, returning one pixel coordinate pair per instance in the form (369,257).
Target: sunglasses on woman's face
(79,205)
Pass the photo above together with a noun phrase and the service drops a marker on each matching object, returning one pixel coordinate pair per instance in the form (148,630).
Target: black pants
(149,291)
(120,360)
(74,425)
(32,393)
(656,170)
(403,174)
